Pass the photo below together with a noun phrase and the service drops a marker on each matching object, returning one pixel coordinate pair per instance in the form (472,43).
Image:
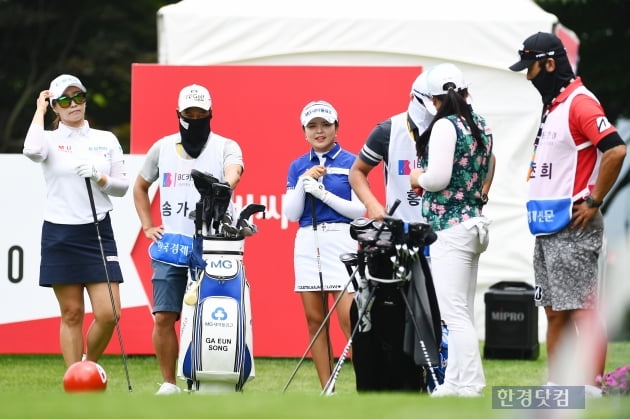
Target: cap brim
(325,118)
(521,65)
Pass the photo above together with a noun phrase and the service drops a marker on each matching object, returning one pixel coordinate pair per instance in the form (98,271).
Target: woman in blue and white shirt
(320,198)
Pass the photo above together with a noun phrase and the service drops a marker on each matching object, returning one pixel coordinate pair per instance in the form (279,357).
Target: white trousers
(454,265)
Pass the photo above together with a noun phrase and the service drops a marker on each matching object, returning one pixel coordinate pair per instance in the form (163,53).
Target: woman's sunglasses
(65,101)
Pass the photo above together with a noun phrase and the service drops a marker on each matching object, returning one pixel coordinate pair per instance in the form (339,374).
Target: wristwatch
(591,203)
(484,198)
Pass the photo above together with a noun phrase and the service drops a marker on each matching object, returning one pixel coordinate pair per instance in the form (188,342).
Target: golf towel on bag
(216,352)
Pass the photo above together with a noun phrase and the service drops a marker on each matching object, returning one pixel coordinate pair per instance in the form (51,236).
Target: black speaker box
(511,322)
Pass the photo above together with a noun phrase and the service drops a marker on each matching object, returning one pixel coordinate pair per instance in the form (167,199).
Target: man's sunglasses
(65,101)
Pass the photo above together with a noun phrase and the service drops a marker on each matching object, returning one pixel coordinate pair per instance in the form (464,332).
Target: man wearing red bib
(576,160)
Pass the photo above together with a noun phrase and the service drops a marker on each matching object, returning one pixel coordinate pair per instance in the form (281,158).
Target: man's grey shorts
(169,286)
(566,266)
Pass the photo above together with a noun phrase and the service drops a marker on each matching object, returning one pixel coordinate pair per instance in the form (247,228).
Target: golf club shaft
(321,327)
(425,352)
(321,284)
(330,385)
(109,285)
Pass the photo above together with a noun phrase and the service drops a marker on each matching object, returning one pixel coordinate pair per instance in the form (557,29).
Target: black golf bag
(395,310)
(216,340)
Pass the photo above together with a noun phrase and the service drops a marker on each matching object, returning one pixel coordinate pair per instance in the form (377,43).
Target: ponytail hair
(453,103)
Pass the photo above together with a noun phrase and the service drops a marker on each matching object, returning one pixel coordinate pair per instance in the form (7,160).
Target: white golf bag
(216,341)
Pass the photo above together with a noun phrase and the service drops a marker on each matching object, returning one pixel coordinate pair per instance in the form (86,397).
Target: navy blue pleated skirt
(71,254)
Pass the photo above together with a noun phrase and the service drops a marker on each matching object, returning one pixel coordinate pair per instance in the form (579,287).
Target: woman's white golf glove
(88,170)
(314,187)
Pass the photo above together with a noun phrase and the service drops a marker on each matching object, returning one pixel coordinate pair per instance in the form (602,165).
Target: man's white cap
(318,109)
(420,90)
(444,77)
(61,83)
(194,96)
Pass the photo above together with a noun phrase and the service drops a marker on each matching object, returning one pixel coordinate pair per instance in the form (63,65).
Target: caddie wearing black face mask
(194,131)
(550,79)
(171,162)
(577,156)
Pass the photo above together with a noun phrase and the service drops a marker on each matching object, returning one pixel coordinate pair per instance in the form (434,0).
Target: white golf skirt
(332,240)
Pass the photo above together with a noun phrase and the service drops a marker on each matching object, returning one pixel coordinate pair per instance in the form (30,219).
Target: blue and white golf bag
(216,340)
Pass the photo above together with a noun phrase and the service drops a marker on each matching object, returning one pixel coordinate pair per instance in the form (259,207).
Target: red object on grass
(84,376)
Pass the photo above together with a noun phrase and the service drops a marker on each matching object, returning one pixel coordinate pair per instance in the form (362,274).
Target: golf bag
(395,310)
(439,370)
(216,340)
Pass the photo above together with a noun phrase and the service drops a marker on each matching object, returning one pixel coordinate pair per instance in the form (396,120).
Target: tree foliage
(94,40)
(604,33)
(98,41)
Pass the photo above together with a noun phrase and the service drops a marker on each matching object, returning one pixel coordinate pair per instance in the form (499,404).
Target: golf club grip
(313,216)
(389,213)
(88,185)
(394,207)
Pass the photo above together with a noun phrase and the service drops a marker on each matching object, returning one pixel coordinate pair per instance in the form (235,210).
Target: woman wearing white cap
(456,161)
(71,258)
(320,198)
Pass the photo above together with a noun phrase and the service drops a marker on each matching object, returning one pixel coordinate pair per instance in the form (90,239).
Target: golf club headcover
(250,210)
(221,196)
(203,182)
(360,225)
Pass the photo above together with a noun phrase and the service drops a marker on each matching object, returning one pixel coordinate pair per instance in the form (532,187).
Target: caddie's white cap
(61,83)
(444,77)
(420,90)
(318,109)
(194,96)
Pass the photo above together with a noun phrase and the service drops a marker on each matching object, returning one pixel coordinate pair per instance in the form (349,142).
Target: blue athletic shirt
(338,163)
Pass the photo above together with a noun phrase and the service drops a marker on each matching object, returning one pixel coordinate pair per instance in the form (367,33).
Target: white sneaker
(443,391)
(468,392)
(592,391)
(167,389)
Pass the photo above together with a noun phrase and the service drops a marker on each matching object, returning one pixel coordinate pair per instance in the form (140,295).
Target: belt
(329,226)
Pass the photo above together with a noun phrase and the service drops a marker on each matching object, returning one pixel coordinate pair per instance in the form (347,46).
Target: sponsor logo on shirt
(603,124)
(172,180)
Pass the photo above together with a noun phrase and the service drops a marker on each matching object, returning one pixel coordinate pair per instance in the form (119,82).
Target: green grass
(31,386)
